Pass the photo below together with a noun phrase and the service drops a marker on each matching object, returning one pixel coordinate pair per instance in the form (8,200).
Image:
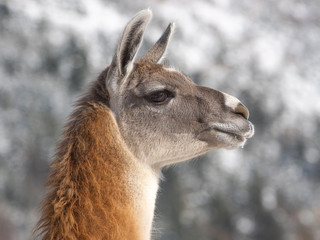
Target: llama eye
(159,97)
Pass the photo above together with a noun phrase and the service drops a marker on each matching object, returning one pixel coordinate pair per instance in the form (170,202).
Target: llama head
(162,115)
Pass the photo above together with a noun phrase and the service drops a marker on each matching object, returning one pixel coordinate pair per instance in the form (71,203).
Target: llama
(136,118)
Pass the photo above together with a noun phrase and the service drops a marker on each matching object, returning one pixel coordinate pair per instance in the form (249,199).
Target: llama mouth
(240,132)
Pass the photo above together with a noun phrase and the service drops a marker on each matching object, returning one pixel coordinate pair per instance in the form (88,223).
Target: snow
(230,24)
(245,225)
(269,51)
(264,52)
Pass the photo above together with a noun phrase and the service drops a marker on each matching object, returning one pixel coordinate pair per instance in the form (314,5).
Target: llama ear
(128,47)
(155,53)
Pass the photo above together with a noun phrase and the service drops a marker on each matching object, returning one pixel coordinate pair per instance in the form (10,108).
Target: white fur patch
(145,184)
(231,101)
(171,69)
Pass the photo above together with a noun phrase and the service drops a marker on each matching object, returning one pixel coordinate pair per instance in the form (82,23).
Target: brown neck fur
(89,195)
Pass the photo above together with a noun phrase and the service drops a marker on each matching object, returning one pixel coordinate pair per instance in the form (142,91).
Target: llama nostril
(242,110)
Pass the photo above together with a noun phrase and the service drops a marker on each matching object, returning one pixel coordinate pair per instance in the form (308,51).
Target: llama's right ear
(127,49)
(155,54)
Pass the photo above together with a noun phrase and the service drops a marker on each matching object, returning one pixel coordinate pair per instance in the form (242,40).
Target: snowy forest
(266,53)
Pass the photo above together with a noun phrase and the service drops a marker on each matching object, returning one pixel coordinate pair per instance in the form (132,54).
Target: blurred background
(264,52)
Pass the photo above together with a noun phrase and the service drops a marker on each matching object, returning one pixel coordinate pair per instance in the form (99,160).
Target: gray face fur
(162,115)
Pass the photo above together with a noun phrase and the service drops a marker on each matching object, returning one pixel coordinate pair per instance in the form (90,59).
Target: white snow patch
(228,23)
(4,141)
(300,95)
(269,51)
(231,161)
(84,17)
(268,197)
(245,225)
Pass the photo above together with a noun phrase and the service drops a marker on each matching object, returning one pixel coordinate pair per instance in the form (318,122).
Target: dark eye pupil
(158,97)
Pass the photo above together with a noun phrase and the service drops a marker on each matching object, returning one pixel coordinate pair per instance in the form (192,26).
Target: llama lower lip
(234,135)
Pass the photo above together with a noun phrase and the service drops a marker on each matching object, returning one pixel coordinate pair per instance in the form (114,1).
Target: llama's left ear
(129,44)
(155,53)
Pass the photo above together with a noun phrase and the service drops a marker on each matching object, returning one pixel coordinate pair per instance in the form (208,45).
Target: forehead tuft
(147,68)
(147,72)
(170,69)
(153,68)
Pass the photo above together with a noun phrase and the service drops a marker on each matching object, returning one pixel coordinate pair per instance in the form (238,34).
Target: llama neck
(98,189)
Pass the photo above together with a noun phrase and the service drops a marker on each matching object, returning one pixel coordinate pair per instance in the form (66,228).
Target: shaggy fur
(77,207)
